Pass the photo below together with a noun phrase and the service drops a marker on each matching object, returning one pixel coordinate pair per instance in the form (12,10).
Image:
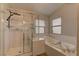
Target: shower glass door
(18,38)
(27,34)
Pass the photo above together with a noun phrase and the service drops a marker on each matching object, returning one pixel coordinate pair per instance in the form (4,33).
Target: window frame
(39,27)
(56,26)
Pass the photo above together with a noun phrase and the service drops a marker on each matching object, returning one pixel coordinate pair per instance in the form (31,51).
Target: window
(56,25)
(39,26)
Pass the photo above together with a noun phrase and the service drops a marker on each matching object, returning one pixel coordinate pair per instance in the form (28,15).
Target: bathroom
(39,29)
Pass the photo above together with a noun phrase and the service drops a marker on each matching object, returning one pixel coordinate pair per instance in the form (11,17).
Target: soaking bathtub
(59,50)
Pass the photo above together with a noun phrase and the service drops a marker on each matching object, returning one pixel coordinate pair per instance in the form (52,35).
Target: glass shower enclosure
(17,39)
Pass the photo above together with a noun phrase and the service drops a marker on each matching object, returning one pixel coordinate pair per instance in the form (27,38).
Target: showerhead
(11,14)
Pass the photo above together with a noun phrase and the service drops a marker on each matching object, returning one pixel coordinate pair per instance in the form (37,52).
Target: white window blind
(39,24)
(56,25)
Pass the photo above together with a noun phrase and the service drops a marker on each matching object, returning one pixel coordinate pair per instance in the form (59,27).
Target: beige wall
(78,31)
(2,8)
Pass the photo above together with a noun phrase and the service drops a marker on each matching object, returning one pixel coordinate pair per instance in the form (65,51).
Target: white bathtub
(60,49)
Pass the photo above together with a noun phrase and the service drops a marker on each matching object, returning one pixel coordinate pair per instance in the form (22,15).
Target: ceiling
(43,8)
